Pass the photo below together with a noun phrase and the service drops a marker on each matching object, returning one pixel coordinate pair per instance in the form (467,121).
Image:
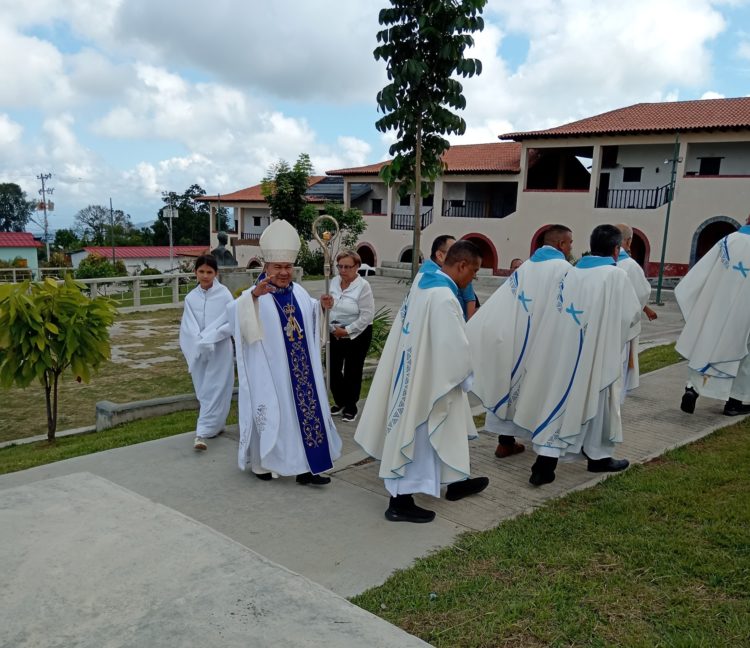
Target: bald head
(627,236)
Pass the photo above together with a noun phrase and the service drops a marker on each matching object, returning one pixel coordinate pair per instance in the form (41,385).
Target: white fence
(126,291)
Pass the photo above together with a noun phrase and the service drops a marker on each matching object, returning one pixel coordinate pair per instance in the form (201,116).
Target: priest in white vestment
(714,298)
(502,334)
(570,401)
(417,419)
(642,287)
(285,419)
(211,367)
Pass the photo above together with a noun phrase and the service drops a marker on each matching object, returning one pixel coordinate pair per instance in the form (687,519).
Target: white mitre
(279,243)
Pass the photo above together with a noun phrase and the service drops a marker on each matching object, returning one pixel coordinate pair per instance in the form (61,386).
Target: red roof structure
(496,157)
(146,251)
(250,194)
(650,118)
(18,240)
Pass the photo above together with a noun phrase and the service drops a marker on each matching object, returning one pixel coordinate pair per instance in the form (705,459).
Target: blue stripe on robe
(304,389)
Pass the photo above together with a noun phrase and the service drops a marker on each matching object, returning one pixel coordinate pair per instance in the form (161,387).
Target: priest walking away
(416,419)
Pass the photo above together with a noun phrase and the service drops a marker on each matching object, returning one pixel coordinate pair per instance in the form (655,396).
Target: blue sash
(592,261)
(309,413)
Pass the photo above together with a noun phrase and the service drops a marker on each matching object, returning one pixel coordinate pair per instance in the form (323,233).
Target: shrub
(95,267)
(149,272)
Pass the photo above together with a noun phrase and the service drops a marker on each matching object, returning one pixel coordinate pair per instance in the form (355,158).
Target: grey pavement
(90,564)
(221,522)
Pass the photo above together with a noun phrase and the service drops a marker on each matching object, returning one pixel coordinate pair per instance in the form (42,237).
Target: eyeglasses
(344,267)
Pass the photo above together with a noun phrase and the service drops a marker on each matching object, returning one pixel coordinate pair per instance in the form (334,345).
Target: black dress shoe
(734,407)
(314,480)
(541,478)
(403,509)
(688,400)
(264,476)
(543,471)
(471,486)
(607,465)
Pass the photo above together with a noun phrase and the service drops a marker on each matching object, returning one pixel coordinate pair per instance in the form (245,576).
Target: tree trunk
(417,243)
(50,396)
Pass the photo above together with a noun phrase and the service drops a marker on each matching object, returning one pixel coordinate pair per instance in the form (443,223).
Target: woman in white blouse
(350,333)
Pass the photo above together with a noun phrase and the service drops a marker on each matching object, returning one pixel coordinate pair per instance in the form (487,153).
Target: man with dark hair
(570,401)
(503,333)
(417,420)
(440,246)
(559,237)
(714,298)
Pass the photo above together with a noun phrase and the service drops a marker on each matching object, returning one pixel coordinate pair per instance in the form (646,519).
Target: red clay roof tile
(671,117)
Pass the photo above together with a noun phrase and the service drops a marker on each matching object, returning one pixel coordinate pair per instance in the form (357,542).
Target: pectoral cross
(292,325)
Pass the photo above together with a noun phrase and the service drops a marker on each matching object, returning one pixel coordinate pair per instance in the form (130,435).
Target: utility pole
(44,206)
(674,160)
(170,213)
(112,230)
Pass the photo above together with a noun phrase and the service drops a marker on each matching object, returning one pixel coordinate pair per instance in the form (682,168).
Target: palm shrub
(381,326)
(46,328)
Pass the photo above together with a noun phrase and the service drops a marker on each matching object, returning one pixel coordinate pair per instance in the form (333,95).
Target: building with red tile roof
(21,248)
(138,257)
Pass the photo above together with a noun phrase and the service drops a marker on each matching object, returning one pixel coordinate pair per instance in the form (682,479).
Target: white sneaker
(199,444)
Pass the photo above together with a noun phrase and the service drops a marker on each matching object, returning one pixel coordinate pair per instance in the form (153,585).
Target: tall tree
(94,223)
(284,189)
(423,46)
(15,209)
(192,226)
(66,239)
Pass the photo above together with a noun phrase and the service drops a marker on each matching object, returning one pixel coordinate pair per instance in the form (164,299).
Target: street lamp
(169,213)
(674,160)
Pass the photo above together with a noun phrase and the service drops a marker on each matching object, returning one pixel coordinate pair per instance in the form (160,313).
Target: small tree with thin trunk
(47,328)
(423,46)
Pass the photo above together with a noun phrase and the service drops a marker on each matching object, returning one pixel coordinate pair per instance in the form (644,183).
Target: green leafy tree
(96,267)
(192,226)
(284,189)
(423,46)
(66,239)
(47,328)
(15,209)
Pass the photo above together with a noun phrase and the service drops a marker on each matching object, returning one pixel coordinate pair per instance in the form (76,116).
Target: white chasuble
(630,367)
(714,298)
(571,393)
(211,366)
(503,331)
(277,424)
(419,385)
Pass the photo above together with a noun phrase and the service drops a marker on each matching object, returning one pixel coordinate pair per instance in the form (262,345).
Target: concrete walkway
(155,544)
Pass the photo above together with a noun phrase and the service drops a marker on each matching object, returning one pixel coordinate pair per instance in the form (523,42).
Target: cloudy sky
(129,98)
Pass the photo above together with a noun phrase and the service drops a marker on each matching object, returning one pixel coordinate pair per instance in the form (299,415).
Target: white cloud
(712,95)
(10,133)
(743,50)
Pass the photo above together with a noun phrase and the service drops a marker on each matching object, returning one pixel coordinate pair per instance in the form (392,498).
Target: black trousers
(347,361)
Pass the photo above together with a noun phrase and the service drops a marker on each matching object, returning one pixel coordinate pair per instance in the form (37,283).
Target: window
(377,206)
(256,221)
(631,174)
(427,201)
(709,166)
(405,201)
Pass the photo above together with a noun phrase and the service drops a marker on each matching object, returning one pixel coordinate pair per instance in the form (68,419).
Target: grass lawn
(656,556)
(658,357)
(146,363)
(28,455)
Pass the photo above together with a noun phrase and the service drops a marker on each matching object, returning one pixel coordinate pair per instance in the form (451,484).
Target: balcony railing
(252,236)
(632,198)
(406,221)
(477,208)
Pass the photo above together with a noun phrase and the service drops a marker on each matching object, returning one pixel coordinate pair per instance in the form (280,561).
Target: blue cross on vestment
(571,310)
(405,329)
(524,300)
(740,268)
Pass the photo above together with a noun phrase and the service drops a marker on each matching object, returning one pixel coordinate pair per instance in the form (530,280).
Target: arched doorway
(406,256)
(486,247)
(367,254)
(255,262)
(640,249)
(709,233)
